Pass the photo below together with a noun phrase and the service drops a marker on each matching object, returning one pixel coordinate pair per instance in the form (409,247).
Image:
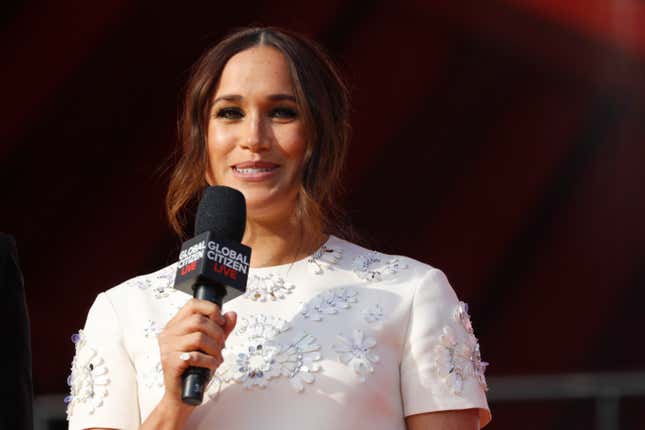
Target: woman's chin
(263,206)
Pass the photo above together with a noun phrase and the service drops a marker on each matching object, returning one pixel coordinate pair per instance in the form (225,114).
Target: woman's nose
(255,134)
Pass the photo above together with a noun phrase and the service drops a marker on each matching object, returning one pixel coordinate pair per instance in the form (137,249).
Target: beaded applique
(357,351)
(328,303)
(369,267)
(152,376)
(479,366)
(372,314)
(89,378)
(151,330)
(457,360)
(265,287)
(152,372)
(161,283)
(260,357)
(161,288)
(324,258)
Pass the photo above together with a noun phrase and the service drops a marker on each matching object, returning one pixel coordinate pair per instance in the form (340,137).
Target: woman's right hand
(195,337)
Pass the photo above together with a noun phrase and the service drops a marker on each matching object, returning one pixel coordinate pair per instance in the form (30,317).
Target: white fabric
(349,339)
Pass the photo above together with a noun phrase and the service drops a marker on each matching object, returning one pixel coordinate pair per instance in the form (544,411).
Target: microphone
(212,261)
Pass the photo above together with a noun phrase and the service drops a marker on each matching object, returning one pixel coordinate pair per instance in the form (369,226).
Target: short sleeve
(441,367)
(102,383)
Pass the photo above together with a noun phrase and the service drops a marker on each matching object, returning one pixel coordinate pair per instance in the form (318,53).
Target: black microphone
(212,261)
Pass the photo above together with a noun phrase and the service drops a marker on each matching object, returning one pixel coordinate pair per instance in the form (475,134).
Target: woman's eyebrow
(237,97)
(228,98)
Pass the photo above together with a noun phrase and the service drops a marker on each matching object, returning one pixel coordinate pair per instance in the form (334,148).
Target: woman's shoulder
(156,284)
(372,264)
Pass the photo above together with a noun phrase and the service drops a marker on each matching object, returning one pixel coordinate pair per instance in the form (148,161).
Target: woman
(328,334)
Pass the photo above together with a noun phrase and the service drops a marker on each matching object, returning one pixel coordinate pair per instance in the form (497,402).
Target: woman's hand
(195,337)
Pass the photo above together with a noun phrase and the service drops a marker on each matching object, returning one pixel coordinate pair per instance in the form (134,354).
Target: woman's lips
(254,171)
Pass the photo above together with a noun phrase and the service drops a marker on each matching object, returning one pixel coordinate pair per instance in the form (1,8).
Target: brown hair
(323,100)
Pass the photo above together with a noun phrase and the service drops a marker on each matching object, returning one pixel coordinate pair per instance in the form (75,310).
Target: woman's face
(256,137)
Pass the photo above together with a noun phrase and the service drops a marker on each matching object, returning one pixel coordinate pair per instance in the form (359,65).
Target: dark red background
(501,141)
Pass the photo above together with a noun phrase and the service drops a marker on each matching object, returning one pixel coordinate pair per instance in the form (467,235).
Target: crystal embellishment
(151,330)
(357,352)
(160,283)
(152,376)
(457,356)
(324,258)
(161,288)
(372,314)
(328,303)
(89,378)
(260,357)
(267,287)
(371,267)
(461,315)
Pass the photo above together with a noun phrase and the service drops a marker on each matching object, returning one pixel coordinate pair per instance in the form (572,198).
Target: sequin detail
(370,267)
(151,330)
(89,378)
(324,258)
(372,314)
(328,302)
(456,359)
(152,375)
(269,287)
(161,283)
(357,352)
(260,356)
(461,315)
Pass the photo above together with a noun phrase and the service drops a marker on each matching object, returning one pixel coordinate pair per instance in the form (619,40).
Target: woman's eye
(230,113)
(284,113)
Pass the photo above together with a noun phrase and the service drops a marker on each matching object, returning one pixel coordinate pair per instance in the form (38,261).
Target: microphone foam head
(222,210)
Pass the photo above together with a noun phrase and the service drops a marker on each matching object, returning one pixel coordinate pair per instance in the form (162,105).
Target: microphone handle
(194,378)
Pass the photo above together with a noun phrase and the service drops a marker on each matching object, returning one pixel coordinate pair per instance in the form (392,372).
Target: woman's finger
(199,359)
(230,319)
(199,341)
(197,306)
(201,323)
(180,361)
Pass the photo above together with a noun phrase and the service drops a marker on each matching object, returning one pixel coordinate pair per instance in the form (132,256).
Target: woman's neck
(280,242)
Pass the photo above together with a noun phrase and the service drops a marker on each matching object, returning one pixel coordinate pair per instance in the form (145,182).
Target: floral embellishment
(370,267)
(161,282)
(372,314)
(324,257)
(152,376)
(357,351)
(88,380)
(151,330)
(161,288)
(255,365)
(328,303)
(461,315)
(479,367)
(298,360)
(265,287)
(457,360)
(260,357)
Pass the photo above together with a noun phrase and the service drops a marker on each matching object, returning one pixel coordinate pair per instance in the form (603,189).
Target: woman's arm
(197,327)
(467,419)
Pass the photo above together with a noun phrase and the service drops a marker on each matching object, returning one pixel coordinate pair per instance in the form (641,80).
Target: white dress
(345,339)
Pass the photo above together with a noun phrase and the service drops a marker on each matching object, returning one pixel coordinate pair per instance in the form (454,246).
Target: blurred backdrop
(501,141)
